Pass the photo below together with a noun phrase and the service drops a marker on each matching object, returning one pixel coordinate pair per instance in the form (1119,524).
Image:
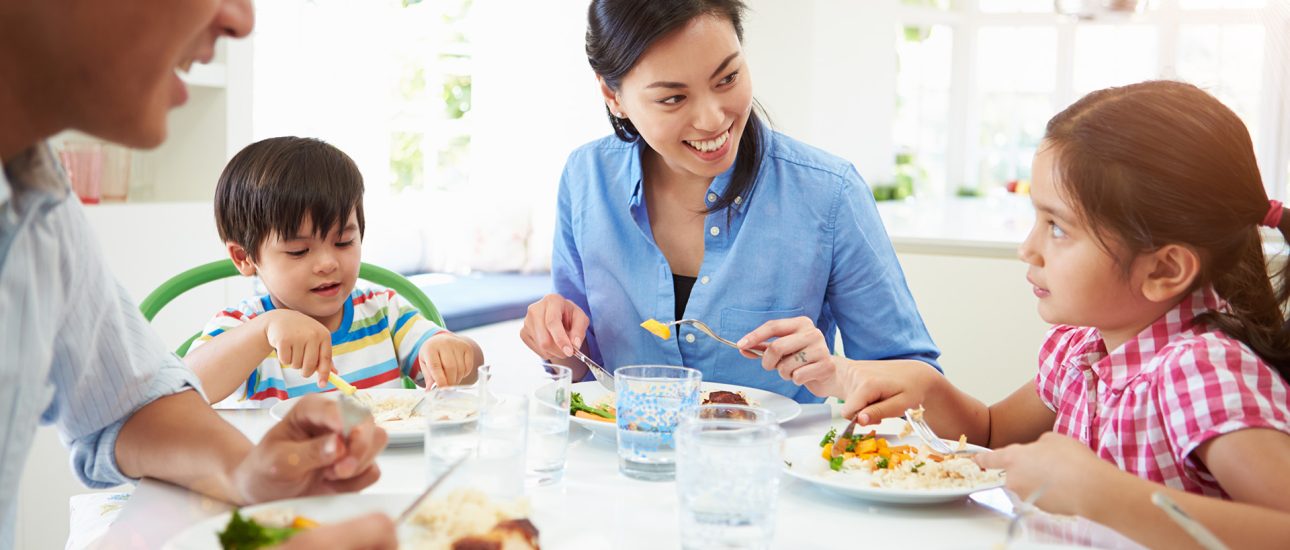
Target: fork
(1203,536)
(929,437)
(704,328)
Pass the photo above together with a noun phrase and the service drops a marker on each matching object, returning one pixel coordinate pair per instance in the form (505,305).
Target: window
(978,79)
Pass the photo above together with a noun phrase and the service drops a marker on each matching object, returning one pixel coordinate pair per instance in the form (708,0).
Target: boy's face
(1077,282)
(312,275)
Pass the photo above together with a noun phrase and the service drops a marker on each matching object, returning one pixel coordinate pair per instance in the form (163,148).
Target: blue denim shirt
(806,240)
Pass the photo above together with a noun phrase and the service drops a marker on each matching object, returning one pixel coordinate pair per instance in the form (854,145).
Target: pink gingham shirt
(1150,403)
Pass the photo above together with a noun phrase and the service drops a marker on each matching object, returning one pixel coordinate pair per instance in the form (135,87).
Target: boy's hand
(302,343)
(446,359)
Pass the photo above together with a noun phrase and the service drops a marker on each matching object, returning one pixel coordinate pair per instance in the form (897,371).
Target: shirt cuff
(94,456)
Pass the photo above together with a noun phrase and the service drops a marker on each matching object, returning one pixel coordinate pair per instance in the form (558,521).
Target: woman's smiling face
(689,95)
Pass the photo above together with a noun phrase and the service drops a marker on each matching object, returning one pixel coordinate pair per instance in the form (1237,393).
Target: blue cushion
(468,301)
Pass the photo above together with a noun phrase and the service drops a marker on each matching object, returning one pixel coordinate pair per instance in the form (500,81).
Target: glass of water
(727,476)
(498,466)
(452,423)
(548,391)
(651,400)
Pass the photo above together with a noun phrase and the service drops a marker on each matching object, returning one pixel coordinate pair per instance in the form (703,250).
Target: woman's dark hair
(1163,162)
(619,31)
(270,186)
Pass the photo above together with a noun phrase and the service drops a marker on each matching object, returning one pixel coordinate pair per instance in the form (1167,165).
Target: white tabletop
(614,511)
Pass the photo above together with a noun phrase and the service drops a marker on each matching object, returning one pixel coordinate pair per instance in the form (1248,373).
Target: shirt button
(714,231)
(704,280)
(739,200)
(712,197)
(689,338)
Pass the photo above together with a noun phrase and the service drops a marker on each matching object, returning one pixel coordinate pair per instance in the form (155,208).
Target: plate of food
(594,407)
(460,517)
(391,409)
(886,467)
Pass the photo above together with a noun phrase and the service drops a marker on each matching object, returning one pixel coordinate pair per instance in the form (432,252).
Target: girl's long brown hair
(1164,162)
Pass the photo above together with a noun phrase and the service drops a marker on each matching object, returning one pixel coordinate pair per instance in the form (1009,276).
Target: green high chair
(222,269)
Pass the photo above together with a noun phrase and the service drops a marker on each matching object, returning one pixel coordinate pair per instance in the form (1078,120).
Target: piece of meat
(722,397)
(512,534)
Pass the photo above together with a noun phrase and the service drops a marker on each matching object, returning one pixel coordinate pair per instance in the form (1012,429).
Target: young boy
(291,211)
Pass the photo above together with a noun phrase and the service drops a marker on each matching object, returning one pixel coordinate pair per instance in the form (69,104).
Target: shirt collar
(636,175)
(1119,368)
(33,170)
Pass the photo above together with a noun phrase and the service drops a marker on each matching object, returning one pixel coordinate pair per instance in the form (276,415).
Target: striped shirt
(1150,403)
(74,350)
(376,344)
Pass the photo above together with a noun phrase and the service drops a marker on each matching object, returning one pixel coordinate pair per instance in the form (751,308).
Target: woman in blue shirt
(695,209)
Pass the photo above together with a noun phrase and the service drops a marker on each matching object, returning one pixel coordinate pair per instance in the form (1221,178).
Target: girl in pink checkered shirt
(1167,368)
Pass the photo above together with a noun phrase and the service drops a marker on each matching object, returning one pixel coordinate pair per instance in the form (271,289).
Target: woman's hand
(799,353)
(554,327)
(1064,468)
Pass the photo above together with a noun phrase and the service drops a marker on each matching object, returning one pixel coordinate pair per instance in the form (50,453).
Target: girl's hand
(874,392)
(374,531)
(1067,470)
(446,359)
(554,327)
(301,342)
(799,353)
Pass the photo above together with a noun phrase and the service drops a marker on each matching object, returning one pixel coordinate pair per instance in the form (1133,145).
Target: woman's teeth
(708,146)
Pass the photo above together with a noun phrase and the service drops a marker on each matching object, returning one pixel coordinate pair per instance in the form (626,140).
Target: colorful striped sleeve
(222,322)
(409,331)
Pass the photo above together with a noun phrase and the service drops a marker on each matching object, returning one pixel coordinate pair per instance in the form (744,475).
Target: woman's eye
(729,78)
(673,100)
(1056,230)
(297,253)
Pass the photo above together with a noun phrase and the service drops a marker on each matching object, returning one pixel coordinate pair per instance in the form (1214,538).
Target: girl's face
(310,274)
(1077,282)
(689,96)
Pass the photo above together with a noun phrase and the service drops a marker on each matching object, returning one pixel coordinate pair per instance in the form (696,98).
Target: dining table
(594,506)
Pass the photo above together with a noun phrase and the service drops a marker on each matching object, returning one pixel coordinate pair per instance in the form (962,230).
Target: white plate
(802,460)
(401,432)
(326,509)
(785,409)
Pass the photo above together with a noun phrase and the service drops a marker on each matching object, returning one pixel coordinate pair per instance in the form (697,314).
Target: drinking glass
(452,422)
(498,466)
(727,476)
(548,390)
(651,400)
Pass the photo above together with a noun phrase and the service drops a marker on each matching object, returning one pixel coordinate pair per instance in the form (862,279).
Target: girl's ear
(1170,272)
(240,259)
(611,98)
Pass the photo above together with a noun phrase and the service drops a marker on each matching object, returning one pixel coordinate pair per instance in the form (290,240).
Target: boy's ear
(611,98)
(1171,271)
(240,259)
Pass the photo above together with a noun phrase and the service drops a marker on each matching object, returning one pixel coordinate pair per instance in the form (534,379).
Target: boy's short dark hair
(270,186)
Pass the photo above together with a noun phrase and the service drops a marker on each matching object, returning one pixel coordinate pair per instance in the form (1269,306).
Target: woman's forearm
(180,439)
(225,361)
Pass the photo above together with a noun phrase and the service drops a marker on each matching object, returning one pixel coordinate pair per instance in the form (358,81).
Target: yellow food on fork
(341,384)
(658,329)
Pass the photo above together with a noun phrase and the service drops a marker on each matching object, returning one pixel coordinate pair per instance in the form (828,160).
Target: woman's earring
(618,114)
